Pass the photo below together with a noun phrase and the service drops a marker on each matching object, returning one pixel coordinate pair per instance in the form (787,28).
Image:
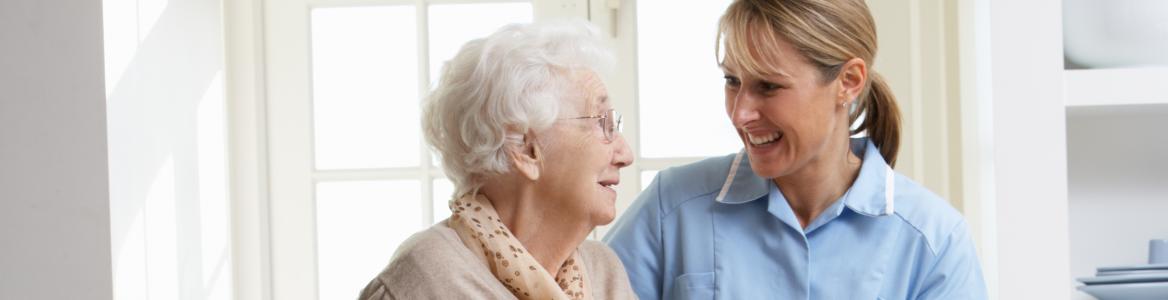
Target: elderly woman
(528,136)
(804,211)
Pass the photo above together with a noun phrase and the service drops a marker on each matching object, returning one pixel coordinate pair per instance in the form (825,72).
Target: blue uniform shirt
(886,238)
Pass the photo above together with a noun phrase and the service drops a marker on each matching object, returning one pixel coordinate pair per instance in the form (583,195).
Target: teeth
(759,140)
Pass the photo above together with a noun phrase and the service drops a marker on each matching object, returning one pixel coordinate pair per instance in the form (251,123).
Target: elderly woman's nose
(622,153)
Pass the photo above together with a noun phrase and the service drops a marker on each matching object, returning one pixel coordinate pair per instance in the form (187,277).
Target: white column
(54,189)
(1029,171)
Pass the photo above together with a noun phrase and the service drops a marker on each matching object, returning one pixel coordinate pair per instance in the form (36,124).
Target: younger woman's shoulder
(706,175)
(683,183)
(931,215)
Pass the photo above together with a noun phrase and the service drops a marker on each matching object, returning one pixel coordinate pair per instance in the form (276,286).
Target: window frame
(273,184)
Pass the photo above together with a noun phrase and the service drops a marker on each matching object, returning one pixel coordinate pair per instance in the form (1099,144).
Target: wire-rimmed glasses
(610,120)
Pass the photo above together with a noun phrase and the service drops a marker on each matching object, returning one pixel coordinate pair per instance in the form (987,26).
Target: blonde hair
(827,33)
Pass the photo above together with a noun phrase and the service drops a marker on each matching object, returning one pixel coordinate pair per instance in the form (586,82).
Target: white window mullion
(371,174)
(423,26)
(621,83)
(292,232)
(661,163)
(345,3)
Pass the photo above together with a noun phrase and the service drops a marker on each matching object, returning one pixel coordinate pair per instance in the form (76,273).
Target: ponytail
(827,34)
(881,118)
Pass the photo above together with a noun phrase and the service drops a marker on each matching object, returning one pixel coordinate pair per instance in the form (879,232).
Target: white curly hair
(499,87)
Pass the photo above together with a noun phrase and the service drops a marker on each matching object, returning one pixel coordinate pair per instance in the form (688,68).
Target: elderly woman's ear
(525,156)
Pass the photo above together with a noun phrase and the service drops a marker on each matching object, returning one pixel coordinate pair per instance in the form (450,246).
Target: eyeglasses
(611,122)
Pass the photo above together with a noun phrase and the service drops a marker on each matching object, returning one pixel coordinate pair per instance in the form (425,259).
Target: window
(351,178)
(679,85)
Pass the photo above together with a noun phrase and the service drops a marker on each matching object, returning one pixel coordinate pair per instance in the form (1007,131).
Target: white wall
(917,58)
(167,143)
(1118,186)
(1029,158)
(54,213)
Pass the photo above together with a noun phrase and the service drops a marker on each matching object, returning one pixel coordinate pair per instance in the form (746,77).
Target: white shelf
(1120,86)
(1084,113)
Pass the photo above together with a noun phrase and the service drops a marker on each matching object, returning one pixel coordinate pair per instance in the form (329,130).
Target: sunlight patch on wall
(149,12)
(130,268)
(162,235)
(212,172)
(120,27)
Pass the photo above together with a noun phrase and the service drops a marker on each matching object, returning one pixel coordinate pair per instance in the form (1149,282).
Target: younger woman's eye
(731,80)
(767,86)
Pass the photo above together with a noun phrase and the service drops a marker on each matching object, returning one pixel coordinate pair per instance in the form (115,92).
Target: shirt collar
(868,195)
(744,185)
(872,192)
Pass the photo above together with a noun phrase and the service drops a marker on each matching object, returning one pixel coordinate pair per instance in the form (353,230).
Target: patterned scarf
(479,227)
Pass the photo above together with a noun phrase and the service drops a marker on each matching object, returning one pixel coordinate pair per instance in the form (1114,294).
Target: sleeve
(376,290)
(956,273)
(429,268)
(636,240)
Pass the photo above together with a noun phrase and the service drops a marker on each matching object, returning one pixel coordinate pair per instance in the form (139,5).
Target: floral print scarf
(478,225)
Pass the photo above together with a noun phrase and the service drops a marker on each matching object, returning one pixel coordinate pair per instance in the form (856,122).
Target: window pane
(680,85)
(359,224)
(647,178)
(443,189)
(365,87)
(452,25)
